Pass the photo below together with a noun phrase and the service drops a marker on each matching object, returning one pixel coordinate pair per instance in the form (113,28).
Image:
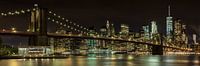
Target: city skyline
(114,12)
(136,13)
(92,33)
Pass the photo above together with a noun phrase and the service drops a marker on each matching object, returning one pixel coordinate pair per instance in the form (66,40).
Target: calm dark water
(109,60)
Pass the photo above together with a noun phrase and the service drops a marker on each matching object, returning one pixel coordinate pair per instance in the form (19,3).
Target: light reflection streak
(113,60)
(13,63)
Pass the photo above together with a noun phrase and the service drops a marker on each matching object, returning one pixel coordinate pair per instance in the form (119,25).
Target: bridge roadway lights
(157,50)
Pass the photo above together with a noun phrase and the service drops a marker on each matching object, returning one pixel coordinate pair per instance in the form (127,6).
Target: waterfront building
(34,51)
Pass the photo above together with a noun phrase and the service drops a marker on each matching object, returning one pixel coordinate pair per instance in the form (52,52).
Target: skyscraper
(124,29)
(194,37)
(112,29)
(179,32)
(108,28)
(154,29)
(169,24)
(146,32)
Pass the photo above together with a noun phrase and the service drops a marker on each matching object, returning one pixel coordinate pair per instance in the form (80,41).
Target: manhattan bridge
(74,35)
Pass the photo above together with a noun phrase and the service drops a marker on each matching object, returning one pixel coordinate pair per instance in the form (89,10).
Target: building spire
(169,9)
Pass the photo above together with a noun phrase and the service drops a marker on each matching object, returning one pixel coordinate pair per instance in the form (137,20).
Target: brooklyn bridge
(72,36)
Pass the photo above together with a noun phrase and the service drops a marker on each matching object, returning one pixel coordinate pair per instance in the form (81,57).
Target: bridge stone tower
(38,25)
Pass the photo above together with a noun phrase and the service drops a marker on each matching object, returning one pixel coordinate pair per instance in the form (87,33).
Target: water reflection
(108,60)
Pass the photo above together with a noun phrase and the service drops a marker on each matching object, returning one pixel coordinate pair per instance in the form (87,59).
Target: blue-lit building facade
(169,25)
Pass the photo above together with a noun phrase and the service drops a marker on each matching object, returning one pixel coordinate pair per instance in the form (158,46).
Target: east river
(108,60)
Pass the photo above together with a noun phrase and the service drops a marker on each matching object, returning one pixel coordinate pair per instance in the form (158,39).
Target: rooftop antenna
(169,13)
(169,9)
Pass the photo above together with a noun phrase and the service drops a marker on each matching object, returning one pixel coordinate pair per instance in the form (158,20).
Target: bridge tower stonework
(38,25)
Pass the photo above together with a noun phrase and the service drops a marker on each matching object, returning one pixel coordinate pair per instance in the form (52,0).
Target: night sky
(95,12)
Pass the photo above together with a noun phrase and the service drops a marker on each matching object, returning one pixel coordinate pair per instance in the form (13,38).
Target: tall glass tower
(169,24)
(108,28)
(154,29)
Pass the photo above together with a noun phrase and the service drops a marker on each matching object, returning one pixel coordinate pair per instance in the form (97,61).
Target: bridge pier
(38,41)
(157,50)
(31,40)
